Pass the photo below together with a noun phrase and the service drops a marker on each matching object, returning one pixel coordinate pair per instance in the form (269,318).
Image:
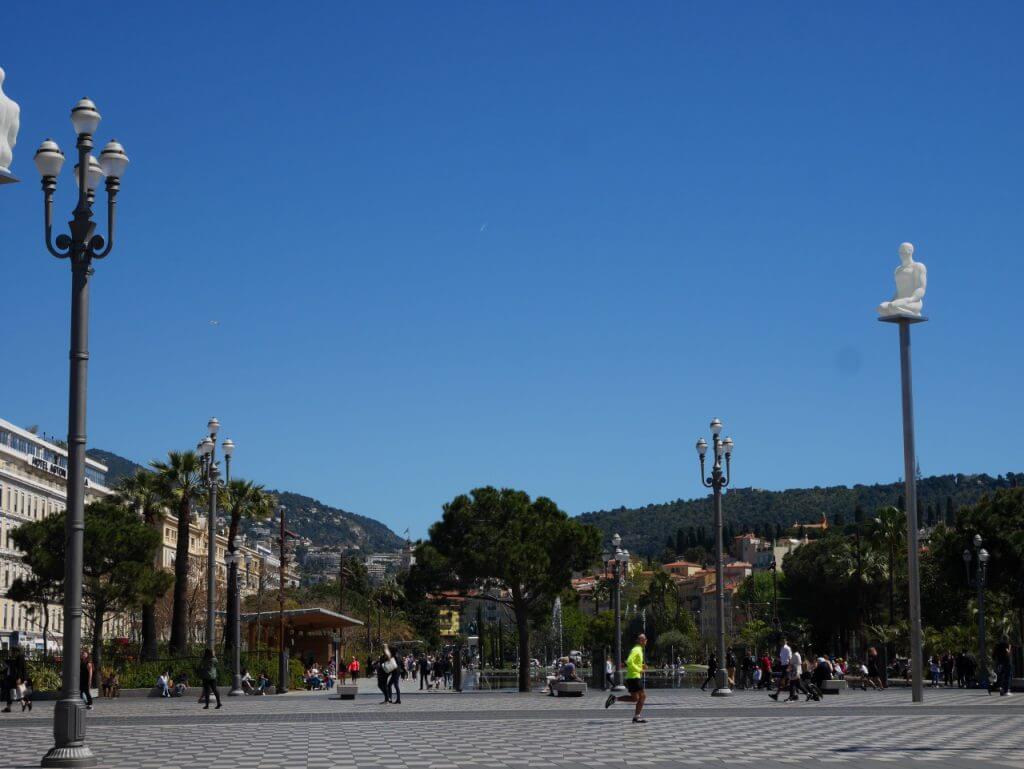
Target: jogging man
(634,680)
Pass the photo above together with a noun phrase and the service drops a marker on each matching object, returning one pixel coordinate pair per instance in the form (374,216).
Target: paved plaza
(444,730)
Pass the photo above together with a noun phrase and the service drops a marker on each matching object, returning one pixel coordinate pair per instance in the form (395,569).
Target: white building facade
(33,485)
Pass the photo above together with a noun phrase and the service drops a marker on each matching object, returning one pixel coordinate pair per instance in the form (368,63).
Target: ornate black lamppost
(980,557)
(716,482)
(619,559)
(207,449)
(80,247)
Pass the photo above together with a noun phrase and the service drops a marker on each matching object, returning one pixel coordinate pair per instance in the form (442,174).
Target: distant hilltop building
(820,528)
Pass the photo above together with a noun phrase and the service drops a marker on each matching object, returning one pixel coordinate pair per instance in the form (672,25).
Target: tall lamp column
(619,559)
(80,248)
(980,556)
(717,481)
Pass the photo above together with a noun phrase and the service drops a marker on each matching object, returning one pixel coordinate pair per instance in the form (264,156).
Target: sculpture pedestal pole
(910,494)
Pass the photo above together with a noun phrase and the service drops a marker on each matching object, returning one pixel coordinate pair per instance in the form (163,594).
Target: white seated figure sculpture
(911,282)
(9,120)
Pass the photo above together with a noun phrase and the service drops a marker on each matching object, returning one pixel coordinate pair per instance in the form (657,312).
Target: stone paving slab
(686,728)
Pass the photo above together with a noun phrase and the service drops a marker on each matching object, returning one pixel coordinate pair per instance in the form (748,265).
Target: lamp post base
(721,684)
(69,734)
(70,756)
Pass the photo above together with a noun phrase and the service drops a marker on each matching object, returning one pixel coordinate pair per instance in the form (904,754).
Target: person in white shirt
(163,684)
(785,657)
(793,673)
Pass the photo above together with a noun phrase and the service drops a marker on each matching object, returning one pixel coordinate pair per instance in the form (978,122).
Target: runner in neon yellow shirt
(634,680)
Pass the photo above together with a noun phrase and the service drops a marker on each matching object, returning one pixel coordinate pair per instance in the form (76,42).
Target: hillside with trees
(309,517)
(682,524)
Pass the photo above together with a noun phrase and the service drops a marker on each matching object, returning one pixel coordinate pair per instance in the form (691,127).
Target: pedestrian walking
(423,665)
(634,681)
(730,668)
(1003,657)
(712,670)
(395,667)
(208,675)
(382,676)
(785,657)
(14,677)
(85,672)
(609,669)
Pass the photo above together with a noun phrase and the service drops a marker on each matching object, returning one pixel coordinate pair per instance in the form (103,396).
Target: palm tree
(241,499)
(142,492)
(181,483)
(888,533)
(389,595)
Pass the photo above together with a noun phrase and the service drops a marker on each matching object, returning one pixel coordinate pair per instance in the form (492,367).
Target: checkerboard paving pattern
(685,728)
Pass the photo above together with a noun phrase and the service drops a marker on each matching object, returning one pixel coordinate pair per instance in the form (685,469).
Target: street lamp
(210,470)
(80,248)
(620,561)
(716,482)
(980,556)
(282,657)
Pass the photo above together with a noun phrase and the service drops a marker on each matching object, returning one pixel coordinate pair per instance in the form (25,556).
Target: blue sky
(529,244)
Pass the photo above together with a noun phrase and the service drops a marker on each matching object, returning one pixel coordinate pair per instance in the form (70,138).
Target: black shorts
(634,685)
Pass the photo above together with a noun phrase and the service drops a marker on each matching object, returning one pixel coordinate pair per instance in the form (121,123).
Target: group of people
(435,671)
(316,678)
(564,669)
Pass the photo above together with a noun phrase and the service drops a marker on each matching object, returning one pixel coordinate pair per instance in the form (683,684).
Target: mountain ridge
(646,529)
(322,523)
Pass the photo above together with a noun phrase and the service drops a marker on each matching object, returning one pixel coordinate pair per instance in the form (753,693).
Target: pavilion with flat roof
(310,634)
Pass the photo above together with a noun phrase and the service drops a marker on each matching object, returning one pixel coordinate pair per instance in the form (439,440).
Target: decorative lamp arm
(705,481)
(113,186)
(62,248)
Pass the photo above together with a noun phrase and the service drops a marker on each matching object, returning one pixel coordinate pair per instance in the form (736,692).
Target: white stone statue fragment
(10,120)
(911,282)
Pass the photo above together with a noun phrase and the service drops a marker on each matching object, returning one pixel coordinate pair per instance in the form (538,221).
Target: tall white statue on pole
(911,282)
(10,121)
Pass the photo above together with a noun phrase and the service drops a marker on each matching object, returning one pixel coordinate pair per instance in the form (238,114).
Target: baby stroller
(811,688)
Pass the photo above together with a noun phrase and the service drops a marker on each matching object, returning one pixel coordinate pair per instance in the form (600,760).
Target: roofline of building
(52,446)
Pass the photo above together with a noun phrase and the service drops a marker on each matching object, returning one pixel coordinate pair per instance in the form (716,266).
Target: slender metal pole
(236,633)
(983,682)
(618,624)
(910,491)
(722,675)
(211,547)
(282,662)
(69,714)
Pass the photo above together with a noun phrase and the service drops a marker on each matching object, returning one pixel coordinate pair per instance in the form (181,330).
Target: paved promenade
(443,730)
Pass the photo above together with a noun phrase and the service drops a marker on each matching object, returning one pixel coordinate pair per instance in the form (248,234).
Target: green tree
(142,492)
(241,499)
(181,484)
(118,561)
(494,538)
(888,535)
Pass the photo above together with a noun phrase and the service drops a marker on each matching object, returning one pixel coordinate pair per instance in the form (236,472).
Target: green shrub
(45,676)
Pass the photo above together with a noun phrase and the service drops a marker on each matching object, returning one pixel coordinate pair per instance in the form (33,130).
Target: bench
(347,692)
(569,688)
(833,686)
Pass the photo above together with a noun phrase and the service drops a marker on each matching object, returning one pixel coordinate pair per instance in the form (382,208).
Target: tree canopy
(503,539)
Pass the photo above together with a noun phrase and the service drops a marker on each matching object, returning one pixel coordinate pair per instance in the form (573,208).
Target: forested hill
(307,516)
(646,529)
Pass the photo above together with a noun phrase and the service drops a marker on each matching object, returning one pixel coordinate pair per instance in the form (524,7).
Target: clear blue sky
(529,244)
